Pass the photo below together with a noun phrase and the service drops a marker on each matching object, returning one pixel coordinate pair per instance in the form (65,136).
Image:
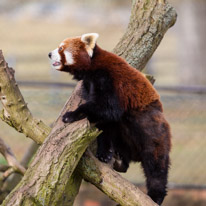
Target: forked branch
(6,151)
(148,23)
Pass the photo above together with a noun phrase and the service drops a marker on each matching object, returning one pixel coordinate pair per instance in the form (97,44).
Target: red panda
(123,104)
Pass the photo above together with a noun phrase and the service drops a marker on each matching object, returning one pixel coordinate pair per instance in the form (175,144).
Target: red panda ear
(90,41)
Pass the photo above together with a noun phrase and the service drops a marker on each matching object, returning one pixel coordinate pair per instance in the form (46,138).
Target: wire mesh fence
(187,116)
(185,111)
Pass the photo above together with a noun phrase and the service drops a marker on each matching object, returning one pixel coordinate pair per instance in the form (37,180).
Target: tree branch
(9,184)
(54,164)
(6,174)
(15,111)
(3,168)
(13,165)
(112,183)
(52,167)
(148,23)
(6,151)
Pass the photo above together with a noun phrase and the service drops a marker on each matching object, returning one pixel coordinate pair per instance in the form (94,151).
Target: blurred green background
(29,30)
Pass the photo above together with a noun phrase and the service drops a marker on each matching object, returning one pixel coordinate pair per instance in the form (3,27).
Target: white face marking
(55,59)
(69,58)
(62,44)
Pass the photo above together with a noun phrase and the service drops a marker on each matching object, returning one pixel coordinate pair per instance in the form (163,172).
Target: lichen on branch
(15,111)
(148,23)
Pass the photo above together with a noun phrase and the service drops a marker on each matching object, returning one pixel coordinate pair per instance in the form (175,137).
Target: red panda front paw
(69,117)
(105,156)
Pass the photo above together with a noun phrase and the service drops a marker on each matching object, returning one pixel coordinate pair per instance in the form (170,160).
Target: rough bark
(41,174)
(6,151)
(112,183)
(54,164)
(13,167)
(148,23)
(15,178)
(52,167)
(15,111)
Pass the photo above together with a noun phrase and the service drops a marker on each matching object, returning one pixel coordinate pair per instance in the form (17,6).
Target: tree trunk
(149,21)
(47,179)
(53,166)
(15,111)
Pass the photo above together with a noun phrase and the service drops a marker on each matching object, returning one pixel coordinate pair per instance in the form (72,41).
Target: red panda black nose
(50,54)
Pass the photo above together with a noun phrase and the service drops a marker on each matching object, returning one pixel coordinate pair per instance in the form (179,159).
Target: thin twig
(3,168)
(6,151)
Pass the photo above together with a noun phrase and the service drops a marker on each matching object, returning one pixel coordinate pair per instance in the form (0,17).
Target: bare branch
(3,168)
(6,174)
(148,23)
(6,151)
(53,166)
(16,112)
(14,179)
(112,183)
(14,165)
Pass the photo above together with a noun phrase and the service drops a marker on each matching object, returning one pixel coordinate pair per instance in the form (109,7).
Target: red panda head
(74,53)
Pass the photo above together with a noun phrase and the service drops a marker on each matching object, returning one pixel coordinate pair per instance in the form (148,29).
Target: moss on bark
(52,165)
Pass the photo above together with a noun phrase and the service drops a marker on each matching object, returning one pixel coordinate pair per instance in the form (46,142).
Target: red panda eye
(60,49)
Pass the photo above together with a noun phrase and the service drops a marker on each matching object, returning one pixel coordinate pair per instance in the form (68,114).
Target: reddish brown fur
(124,104)
(78,50)
(133,88)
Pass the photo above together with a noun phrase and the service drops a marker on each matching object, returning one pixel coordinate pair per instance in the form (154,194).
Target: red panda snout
(55,59)
(60,57)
